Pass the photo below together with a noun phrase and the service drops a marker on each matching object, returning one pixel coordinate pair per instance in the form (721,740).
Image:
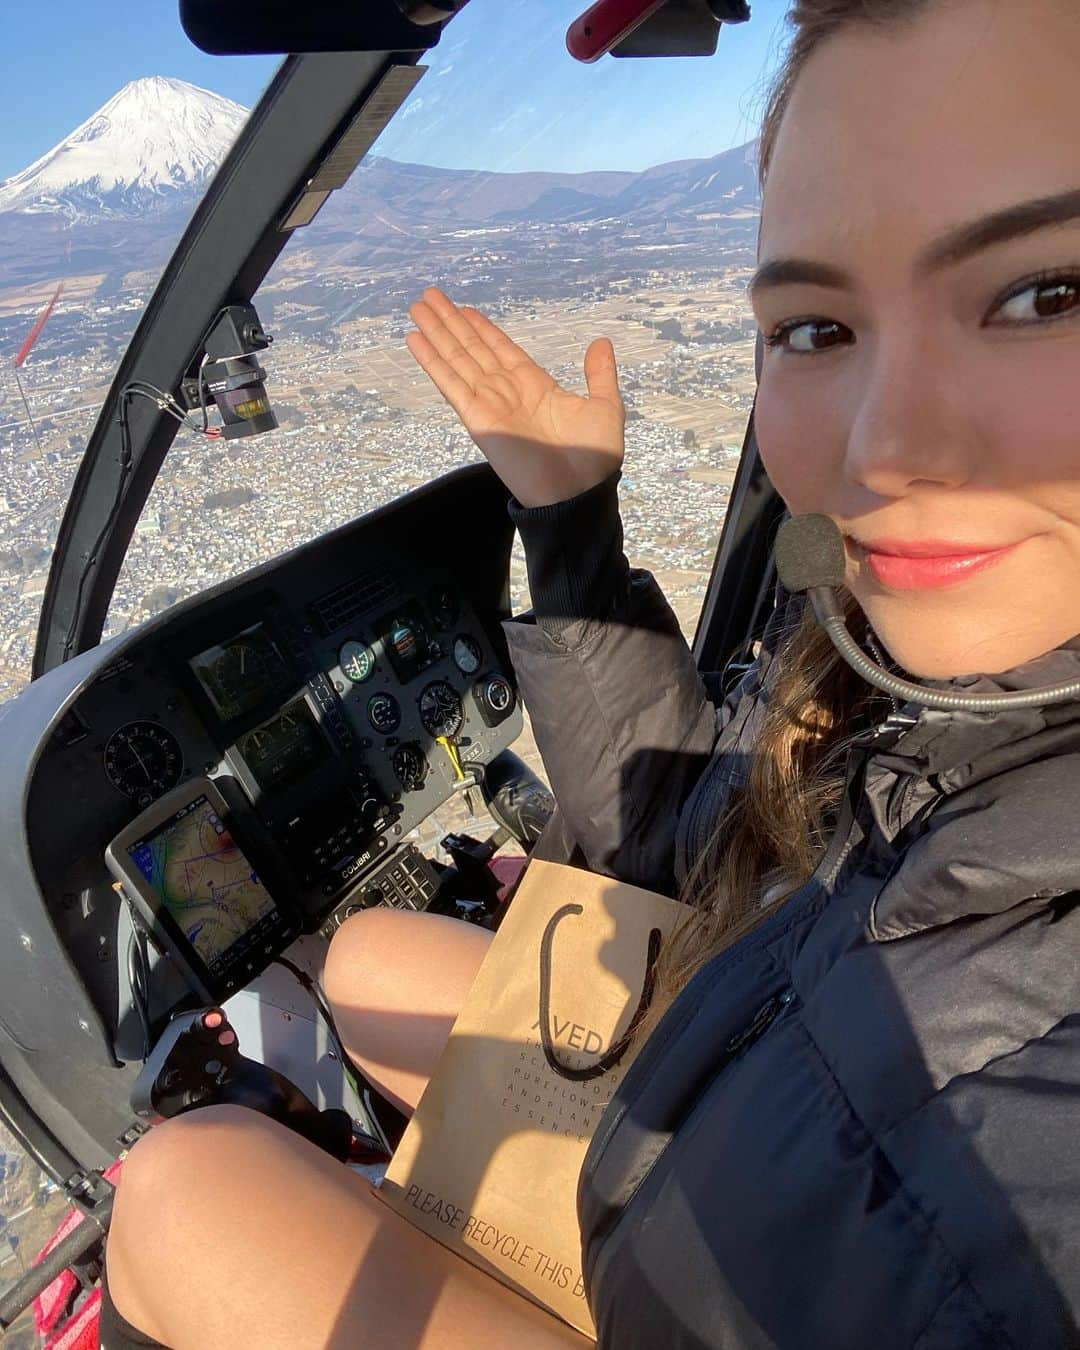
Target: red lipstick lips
(929,564)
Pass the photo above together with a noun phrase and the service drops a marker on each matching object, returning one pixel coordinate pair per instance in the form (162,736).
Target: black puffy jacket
(859,1126)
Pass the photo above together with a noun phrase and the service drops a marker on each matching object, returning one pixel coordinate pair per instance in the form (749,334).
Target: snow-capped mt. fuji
(150,148)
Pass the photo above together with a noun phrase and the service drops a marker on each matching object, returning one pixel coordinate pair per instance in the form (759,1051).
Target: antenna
(24,352)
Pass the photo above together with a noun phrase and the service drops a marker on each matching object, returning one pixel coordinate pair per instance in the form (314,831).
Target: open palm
(544,442)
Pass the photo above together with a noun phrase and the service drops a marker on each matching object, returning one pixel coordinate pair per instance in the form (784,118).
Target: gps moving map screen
(206,884)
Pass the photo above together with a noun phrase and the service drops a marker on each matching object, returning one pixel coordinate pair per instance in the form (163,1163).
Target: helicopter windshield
(567,202)
(87,229)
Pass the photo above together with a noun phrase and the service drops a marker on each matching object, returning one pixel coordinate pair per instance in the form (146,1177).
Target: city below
(359,423)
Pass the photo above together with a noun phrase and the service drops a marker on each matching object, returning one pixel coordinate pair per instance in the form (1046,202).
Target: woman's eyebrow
(953,247)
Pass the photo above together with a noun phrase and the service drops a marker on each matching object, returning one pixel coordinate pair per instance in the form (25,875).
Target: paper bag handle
(616,1051)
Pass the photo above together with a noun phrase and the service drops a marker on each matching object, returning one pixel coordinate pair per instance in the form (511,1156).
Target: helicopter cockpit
(335,700)
(288,731)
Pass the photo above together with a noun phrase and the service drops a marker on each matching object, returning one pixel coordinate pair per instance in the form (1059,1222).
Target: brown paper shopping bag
(489,1163)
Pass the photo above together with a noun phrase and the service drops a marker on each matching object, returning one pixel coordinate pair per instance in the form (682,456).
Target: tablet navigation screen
(206,884)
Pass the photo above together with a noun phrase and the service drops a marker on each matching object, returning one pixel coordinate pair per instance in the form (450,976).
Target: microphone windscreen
(810,552)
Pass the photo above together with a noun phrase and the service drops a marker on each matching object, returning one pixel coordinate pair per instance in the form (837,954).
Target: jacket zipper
(759,1024)
(824,875)
(894,724)
(762,1020)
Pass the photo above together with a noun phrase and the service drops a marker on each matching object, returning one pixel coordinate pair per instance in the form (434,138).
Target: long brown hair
(770,839)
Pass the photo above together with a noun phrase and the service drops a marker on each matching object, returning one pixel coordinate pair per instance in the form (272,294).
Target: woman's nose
(908,431)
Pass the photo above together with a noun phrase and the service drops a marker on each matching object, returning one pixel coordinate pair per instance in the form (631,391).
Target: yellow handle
(452,750)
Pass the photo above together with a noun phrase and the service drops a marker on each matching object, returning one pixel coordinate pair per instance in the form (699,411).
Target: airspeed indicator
(357,660)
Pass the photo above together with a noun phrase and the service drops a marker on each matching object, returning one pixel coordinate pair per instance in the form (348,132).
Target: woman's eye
(803,336)
(1046,298)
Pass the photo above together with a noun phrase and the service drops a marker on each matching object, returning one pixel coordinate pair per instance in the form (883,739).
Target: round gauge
(356,660)
(243,670)
(143,760)
(410,766)
(440,709)
(383,712)
(444,608)
(467,654)
(499,694)
(242,674)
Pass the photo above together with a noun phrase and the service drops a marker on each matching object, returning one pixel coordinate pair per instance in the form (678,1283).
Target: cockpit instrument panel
(336,698)
(243,673)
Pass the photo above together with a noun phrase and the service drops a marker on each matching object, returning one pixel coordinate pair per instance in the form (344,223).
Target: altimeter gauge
(467,654)
(440,709)
(143,760)
(357,660)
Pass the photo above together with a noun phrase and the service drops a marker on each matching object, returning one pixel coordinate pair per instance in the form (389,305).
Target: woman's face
(926,392)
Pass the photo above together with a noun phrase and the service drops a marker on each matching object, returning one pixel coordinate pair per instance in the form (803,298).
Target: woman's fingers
(456,390)
(459,329)
(440,337)
(509,354)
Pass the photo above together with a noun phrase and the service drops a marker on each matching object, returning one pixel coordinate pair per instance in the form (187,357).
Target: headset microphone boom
(810,557)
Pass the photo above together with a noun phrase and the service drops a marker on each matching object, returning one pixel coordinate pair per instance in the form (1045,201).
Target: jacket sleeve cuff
(574,555)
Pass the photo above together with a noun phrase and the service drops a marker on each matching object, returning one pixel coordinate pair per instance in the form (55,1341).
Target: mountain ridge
(117,192)
(152,148)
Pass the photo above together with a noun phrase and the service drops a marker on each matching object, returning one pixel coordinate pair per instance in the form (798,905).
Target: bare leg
(396,982)
(232,1233)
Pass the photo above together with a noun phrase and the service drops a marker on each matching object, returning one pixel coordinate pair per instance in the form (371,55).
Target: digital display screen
(406,641)
(243,673)
(284,747)
(206,884)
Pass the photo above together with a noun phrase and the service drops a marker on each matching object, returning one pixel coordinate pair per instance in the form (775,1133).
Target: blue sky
(502,93)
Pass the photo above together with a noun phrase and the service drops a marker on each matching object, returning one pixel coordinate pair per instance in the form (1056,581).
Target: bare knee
(177,1156)
(383,959)
(363,948)
(397,981)
(164,1176)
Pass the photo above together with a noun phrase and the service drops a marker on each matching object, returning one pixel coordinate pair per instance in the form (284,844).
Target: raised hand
(545,443)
